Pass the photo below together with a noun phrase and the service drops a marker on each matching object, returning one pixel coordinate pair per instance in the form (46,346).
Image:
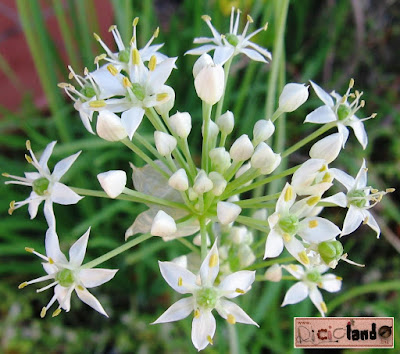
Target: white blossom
(227,212)
(113,182)
(241,149)
(181,124)
(292,97)
(226,122)
(163,225)
(109,127)
(263,130)
(165,143)
(210,84)
(179,180)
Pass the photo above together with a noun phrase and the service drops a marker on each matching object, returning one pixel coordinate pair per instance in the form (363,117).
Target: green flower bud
(123,56)
(138,91)
(330,251)
(314,276)
(88,91)
(357,198)
(232,39)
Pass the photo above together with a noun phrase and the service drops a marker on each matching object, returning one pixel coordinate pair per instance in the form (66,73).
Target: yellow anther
(135,57)
(213,260)
(152,63)
(97,104)
(51,260)
(85,71)
(5,174)
(63,85)
(22,285)
(339,278)
(313,200)
(12,207)
(357,93)
(288,194)
(294,267)
(206,18)
(28,145)
(304,258)
(111,28)
(100,57)
(80,287)
(135,21)
(390,190)
(180,281)
(373,115)
(156,32)
(70,76)
(133,39)
(239,291)
(196,313)
(250,19)
(209,339)
(323,306)
(43,312)
(319,285)
(374,190)
(313,224)
(56,312)
(351,84)
(286,237)
(126,82)
(327,177)
(231,319)
(29,249)
(265,26)
(112,69)
(96,37)
(28,158)
(343,100)
(162,97)
(362,103)
(365,221)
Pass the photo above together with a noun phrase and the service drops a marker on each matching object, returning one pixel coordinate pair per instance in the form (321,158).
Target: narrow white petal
(294,269)
(61,194)
(371,222)
(86,119)
(352,221)
(295,247)
(63,296)
(296,293)
(177,311)
(345,179)
(317,299)
(78,250)
(324,96)
(90,300)
(241,280)
(34,206)
(49,213)
(63,166)
(131,120)
(344,132)
(286,199)
(226,308)
(259,49)
(222,54)
(321,115)
(274,245)
(201,50)
(110,85)
(361,178)
(91,278)
(338,199)
(316,229)
(331,283)
(253,55)
(203,328)
(46,155)
(360,133)
(161,73)
(210,267)
(180,279)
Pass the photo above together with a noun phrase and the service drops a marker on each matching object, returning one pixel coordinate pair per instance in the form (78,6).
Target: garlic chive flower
(227,45)
(205,297)
(68,276)
(46,186)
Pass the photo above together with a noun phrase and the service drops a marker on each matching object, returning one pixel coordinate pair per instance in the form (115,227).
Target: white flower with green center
(341,112)
(206,296)
(46,186)
(230,44)
(69,275)
(311,279)
(295,218)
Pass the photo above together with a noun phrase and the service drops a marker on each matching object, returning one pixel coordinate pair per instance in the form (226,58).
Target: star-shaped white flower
(46,186)
(311,279)
(69,275)
(232,43)
(206,296)
(341,112)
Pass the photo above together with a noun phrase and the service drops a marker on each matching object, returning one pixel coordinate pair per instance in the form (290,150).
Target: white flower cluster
(208,200)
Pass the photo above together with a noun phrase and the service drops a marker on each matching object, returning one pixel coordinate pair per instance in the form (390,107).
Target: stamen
(231,319)
(323,307)
(51,260)
(162,96)
(28,145)
(265,26)
(47,287)
(209,339)
(313,224)
(250,19)
(56,312)
(288,194)
(206,18)
(135,21)
(152,63)
(43,312)
(80,287)
(5,174)
(351,84)
(97,104)
(23,285)
(390,190)
(213,260)
(327,177)
(63,85)
(180,281)
(100,57)
(286,237)
(303,257)
(28,158)
(135,57)
(156,32)
(126,82)
(294,267)
(96,37)
(112,69)
(339,278)
(313,200)
(12,207)
(29,249)
(240,291)
(111,28)
(85,71)
(235,29)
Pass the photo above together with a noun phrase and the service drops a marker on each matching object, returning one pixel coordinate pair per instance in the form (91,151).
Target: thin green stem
(233,339)
(203,234)
(261,225)
(270,263)
(284,277)
(243,179)
(258,199)
(205,148)
(188,244)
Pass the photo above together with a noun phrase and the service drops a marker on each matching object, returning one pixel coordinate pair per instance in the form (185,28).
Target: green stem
(203,233)
(261,225)
(116,251)
(227,68)
(284,277)
(270,263)
(155,200)
(243,179)
(258,199)
(233,339)
(206,119)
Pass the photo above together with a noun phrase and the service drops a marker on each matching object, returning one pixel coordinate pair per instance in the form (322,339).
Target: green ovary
(330,251)
(232,39)
(88,91)
(289,224)
(123,55)
(357,198)
(138,91)
(314,276)
(65,278)
(40,185)
(343,112)
(207,298)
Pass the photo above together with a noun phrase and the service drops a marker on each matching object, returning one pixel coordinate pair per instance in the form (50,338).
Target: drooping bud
(181,124)
(165,143)
(292,97)
(220,159)
(327,148)
(109,127)
(274,273)
(227,212)
(163,225)
(202,184)
(179,180)
(241,149)
(226,122)
(209,84)
(219,183)
(265,159)
(203,61)
(113,182)
(212,130)
(263,129)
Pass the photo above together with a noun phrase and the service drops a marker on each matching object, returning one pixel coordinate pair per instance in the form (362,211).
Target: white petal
(226,308)
(361,178)
(210,267)
(90,300)
(360,133)
(296,293)
(227,212)
(86,119)
(163,225)
(323,231)
(371,222)
(61,194)
(53,247)
(294,247)
(175,275)
(261,50)
(352,221)
(274,245)
(63,166)
(177,311)
(161,73)
(201,50)
(222,54)
(344,132)
(49,213)
(286,199)
(109,85)
(327,148)
(63,297)
(345,179)
(91,278)
(109,126)
(46,155)
(338,199)
(78,250)
(324,96)
(33,206)
(131,120)
(317,299)
(241,280)
(321,115)
(331,283)
(113,182)
(203,328)
(294,269)
(253,55)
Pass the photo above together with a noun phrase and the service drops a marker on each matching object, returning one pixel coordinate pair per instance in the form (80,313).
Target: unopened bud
(164,107)
(241,149)
(209,84)
(179,180)
(220,159)
(274,273)
(202,184)
(181,124)
(219,183)
(163,225)
(246,256)
(265,159)
(227,212)
(263,129)
(327,148)
(226,122)
(292,97)
(165,143)
(212,130)
(109,127)
(113,182)
(203,61)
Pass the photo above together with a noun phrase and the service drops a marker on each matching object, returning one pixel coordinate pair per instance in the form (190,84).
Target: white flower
(340,112)
(227,212)
(226,122)
(292,97)
(179,180)
(165,143)
(113,182)
(232,43)
(206,297)
(46,186)
(265,159)
(263,130)
(310,280)
(202,183)
(181,124)
(69,275)
(327,148)
(210,83)
(163,225)
(241,149)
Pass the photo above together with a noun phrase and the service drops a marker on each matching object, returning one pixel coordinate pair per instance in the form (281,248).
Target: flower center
(207,298)
(88,91)
(357,198)
(289,224)
(123,55)
(40,185)
(232,39)
(330,251)
(343,111)
(314,276)
(138,91)
(65,278)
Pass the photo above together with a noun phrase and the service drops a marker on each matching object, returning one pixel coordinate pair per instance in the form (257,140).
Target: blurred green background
(328,41)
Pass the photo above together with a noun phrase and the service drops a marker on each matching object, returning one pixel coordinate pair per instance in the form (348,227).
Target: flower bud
(203,61)
(246,256)
(274,273)
(179,180)
(238,234)
(212,130)
(164,108)
(226,122)
(241,149)
(113,182)
(163,225)
(181,124)
(265,159)
(165,143)
(218,182)
(292,97)
(202,184)
(209,84)
(220,159)
(263,129)
(227,212)
(109,127)
(327,148)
